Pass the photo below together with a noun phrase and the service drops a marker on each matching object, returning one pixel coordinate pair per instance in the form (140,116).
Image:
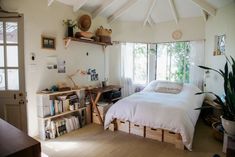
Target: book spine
(57,128)
(53,129)
(56,107)
(52,107)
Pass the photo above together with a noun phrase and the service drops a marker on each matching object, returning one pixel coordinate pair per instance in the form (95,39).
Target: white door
(12,78)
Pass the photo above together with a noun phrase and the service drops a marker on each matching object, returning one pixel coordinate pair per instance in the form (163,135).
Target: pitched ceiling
(147,11)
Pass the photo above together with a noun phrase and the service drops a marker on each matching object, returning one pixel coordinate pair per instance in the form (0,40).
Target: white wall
(222,23)
(40,19)
(192,29)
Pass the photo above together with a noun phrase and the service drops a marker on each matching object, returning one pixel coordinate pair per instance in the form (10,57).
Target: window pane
(13,79)
(151,62)
(162,62)
(179,61)
(140,64)
(11,32)
(1,56)
(2,79)
(173,61)
(12,56)
(1,32)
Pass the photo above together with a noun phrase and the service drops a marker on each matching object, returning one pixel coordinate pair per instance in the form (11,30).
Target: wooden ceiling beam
(205,15)
(50,2)
(121,11)
(205,6)
(151,6)
(79,4)
(150,22)
(174,11)
(151,19)
(105,5)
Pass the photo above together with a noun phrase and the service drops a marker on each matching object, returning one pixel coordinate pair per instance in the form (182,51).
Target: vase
(229,126)
(70,31)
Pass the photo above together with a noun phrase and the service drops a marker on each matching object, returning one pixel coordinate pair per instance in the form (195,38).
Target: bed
(173,112)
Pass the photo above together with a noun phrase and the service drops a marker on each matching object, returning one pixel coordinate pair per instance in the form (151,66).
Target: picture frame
(48,43)
(220,42)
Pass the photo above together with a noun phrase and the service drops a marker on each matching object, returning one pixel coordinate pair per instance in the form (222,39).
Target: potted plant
(70,26)
(228,106)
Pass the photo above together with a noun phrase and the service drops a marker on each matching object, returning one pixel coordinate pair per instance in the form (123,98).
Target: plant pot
(229,126)
(70,31)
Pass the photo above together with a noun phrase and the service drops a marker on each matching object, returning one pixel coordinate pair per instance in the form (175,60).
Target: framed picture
(48,43)
(219,44)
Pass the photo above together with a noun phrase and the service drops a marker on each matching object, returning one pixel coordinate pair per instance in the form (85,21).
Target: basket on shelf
(103,32)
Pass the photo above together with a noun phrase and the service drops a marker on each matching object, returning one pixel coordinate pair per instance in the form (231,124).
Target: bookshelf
(61,112)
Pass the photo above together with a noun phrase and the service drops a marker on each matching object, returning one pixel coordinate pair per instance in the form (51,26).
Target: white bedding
(174,112)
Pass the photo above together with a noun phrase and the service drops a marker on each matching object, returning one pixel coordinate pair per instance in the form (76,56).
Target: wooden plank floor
(93,141)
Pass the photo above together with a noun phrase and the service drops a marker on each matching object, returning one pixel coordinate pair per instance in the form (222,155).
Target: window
(164,61)
(137,58)
(173,61)
(140,61)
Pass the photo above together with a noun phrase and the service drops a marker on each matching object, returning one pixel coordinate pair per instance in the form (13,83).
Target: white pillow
(151,86)
(168,87)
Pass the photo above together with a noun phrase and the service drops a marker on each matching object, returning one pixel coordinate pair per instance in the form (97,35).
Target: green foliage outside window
(179,54)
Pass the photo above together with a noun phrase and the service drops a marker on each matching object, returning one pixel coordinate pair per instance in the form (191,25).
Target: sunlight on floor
(44,155)
(60,146)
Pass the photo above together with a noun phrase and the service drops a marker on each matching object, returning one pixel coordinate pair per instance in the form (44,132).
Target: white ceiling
(161,11)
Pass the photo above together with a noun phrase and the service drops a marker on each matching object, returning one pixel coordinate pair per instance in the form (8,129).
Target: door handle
(21,94)
(21,102)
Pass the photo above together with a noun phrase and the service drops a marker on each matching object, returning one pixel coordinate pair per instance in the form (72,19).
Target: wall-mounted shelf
(68,40)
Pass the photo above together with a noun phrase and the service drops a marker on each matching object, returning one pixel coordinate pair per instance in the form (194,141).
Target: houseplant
(70,26)
(228,106)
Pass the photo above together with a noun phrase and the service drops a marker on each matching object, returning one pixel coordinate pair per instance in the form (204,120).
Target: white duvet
(173,112)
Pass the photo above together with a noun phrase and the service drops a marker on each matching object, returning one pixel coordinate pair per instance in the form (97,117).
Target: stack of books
(62,126)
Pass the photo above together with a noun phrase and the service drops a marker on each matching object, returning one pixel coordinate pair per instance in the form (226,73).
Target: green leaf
(207,68)
(233,65)
(231,102)
(203,107)
(226,78)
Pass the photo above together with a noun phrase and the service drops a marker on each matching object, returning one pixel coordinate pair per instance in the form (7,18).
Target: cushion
(151,86)
(168,87)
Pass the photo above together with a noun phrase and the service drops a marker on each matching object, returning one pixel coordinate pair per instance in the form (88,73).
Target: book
(56,106)
(60,106)
(52,107)
(53,129)
(66,105)
(67,125)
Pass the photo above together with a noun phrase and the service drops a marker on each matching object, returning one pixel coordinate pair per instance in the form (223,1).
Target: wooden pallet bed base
(147,132)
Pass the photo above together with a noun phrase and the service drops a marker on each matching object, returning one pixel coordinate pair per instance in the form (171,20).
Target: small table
(98,91)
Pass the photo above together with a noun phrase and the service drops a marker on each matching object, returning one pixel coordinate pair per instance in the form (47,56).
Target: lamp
(70,77)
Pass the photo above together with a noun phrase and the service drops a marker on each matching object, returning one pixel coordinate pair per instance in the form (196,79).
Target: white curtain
(127,69)
(197,57)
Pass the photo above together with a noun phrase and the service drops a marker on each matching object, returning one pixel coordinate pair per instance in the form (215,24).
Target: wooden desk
(15,143)
(98,92)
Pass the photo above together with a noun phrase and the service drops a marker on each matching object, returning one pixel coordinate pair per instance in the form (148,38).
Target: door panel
(12,77)
(13,114)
